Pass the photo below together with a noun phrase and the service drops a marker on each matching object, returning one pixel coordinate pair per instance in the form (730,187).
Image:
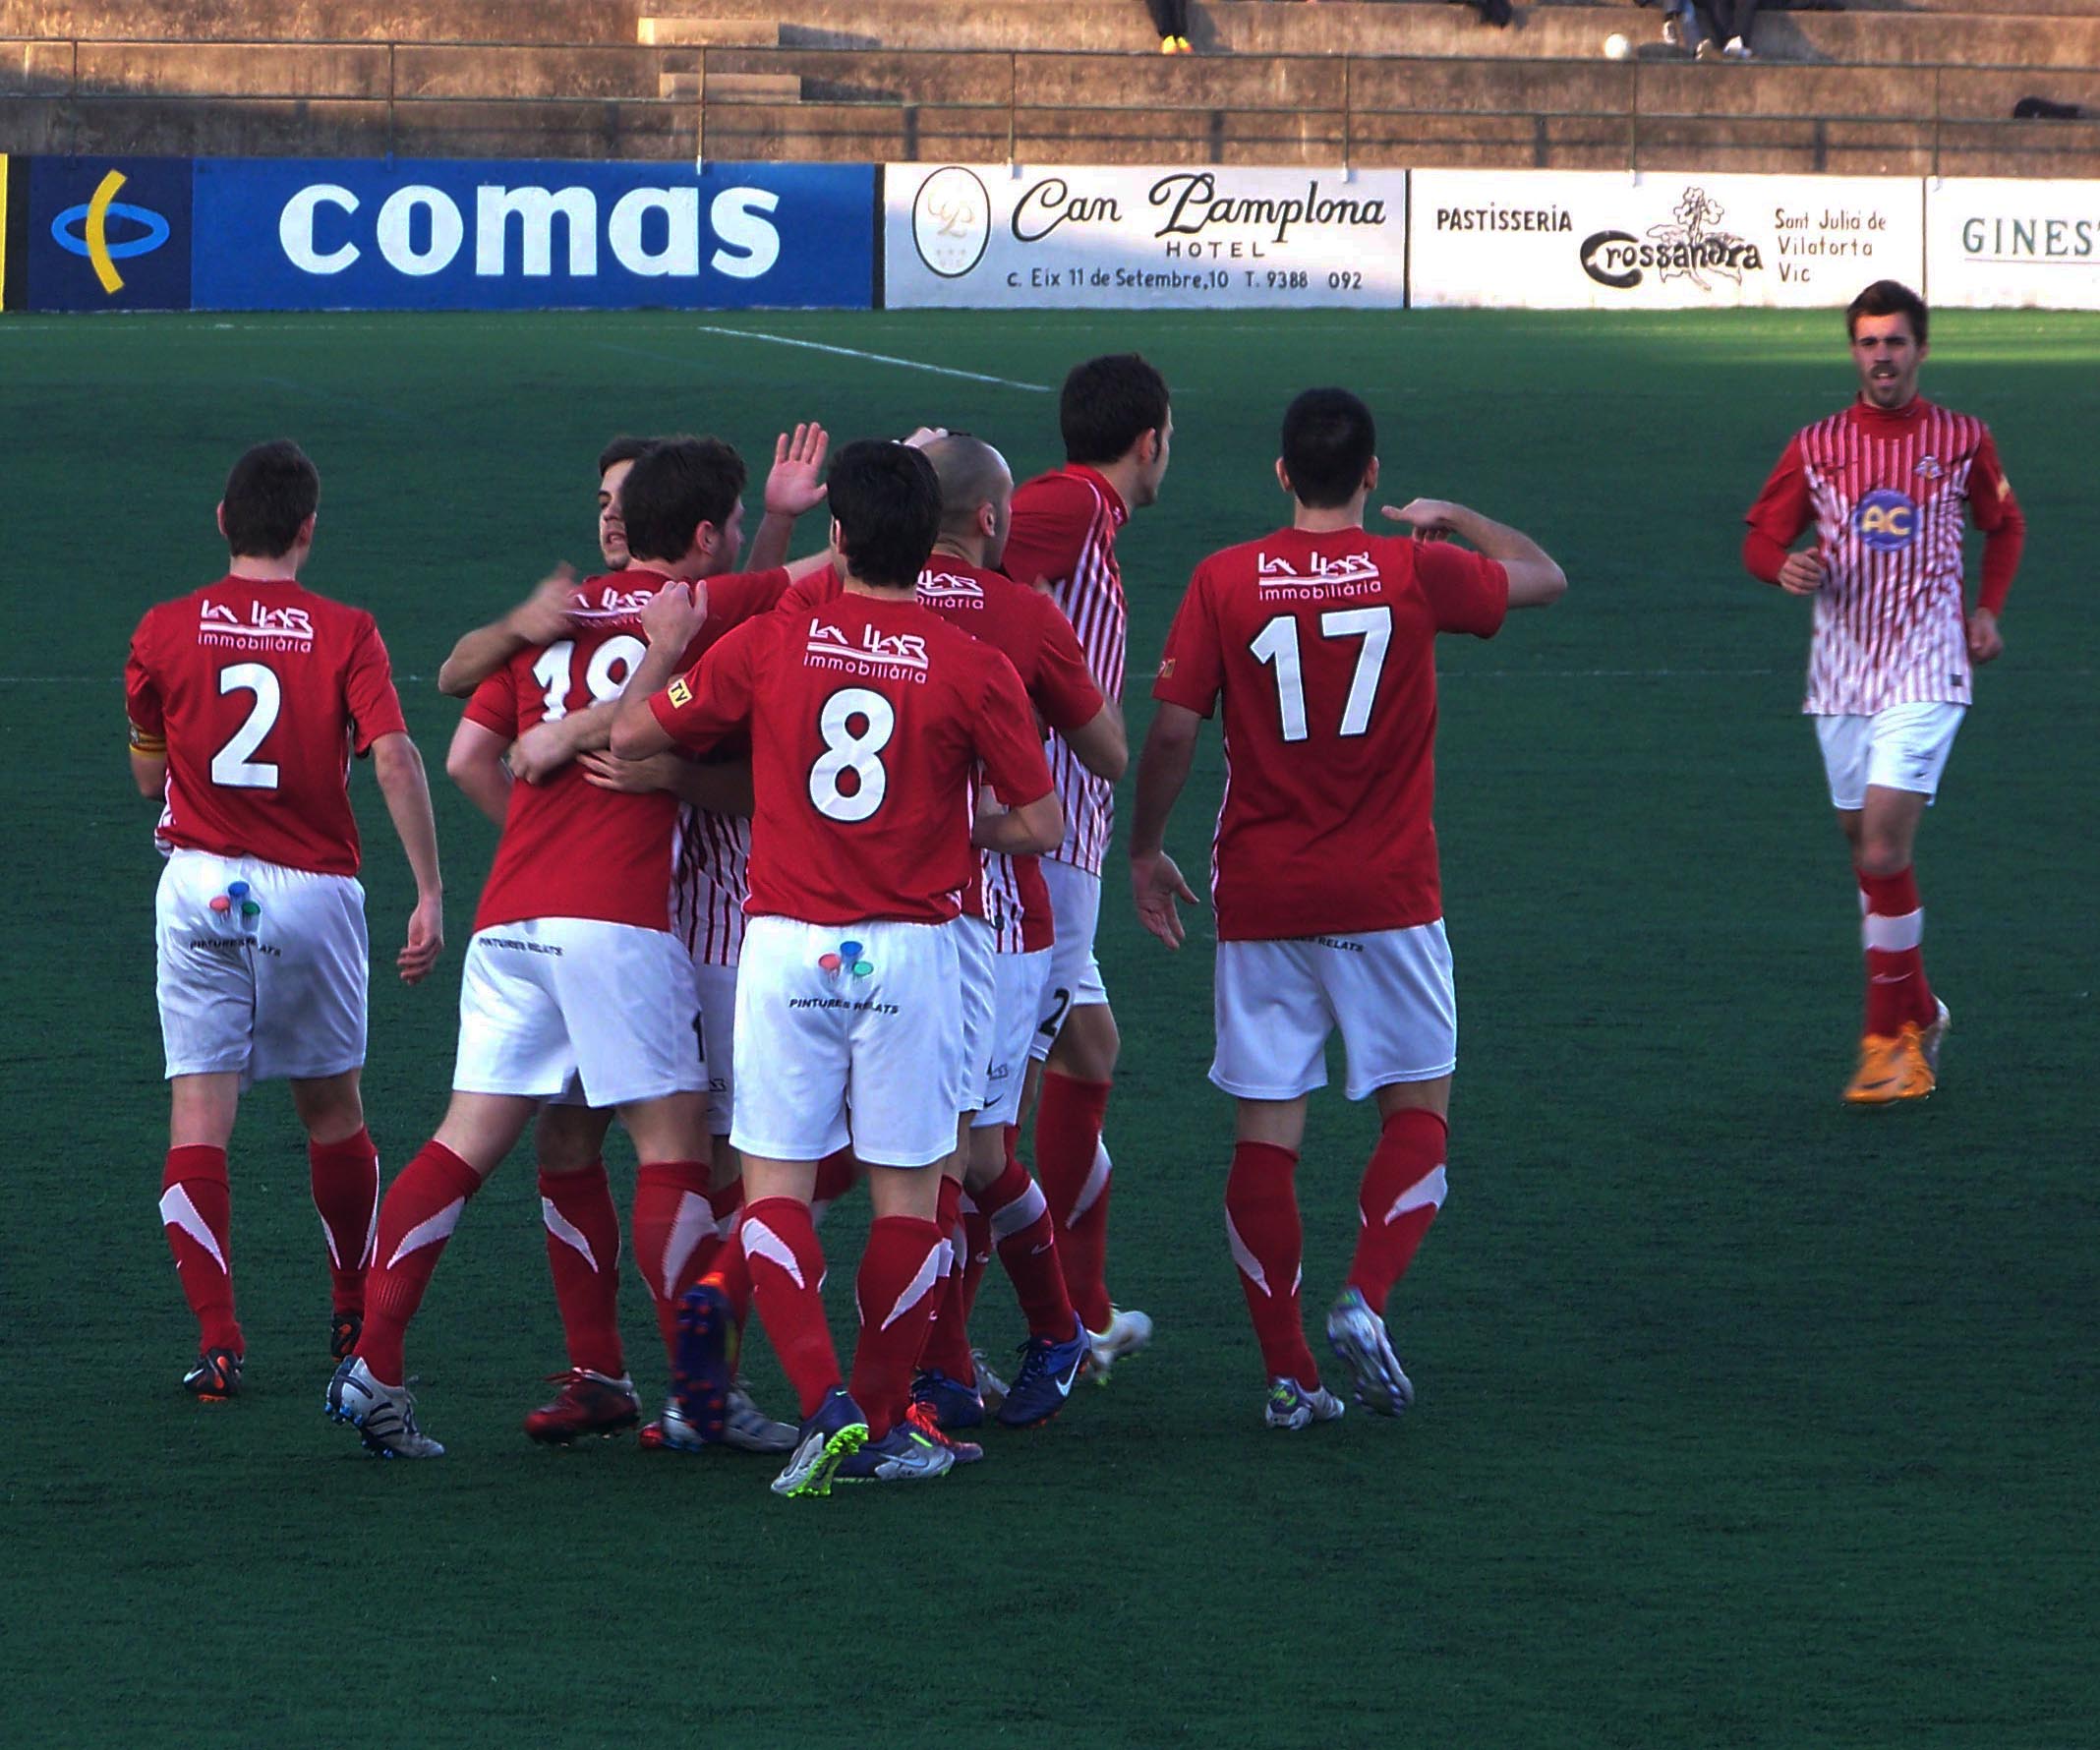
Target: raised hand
(798,460)
(544,615)
(1431,518)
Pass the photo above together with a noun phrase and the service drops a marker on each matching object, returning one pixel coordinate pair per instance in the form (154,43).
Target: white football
(1618,47)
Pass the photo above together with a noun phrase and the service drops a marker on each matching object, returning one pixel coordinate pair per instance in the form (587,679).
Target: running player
(1117,426)
(1319,640)
(1889,673)
(247,699)
(868,718)
(573,978)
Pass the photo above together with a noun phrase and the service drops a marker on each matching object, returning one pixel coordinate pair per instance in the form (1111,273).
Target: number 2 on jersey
(844,751)
(231,766)
(1276,645)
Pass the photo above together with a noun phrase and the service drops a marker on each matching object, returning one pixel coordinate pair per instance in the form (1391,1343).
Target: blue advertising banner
(107,234)
(366,234)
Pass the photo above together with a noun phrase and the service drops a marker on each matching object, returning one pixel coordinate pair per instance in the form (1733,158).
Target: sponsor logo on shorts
(1887,520)
(845,960)
(861,1006)
(521,946)
(1340,942)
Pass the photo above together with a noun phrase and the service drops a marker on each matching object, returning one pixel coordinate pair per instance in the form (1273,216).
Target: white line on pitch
(844,352)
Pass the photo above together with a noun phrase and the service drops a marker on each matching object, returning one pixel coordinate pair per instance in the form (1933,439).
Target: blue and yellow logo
(1885,520)
(85,230)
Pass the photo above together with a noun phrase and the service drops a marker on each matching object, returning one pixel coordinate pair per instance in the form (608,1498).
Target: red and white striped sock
(1026,1241)
(1403,1189)
(1892,933)
(421,1209)
(196,1211)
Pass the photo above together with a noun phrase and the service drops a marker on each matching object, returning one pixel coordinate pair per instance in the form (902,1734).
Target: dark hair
(1109,403)
(888,506)
(1886,297)
(272,490)
(1329,441)
(674,486)
(621,450)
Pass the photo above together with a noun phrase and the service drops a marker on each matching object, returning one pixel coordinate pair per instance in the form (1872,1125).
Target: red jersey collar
(1116,509)
(1889,422)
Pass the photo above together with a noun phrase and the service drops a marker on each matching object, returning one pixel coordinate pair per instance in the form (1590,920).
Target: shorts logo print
(847,959)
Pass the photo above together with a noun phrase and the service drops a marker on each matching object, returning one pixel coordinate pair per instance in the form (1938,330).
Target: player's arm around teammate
(1317,643)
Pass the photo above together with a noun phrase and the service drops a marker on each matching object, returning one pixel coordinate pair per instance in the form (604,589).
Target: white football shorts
(716,988)
(278,994)
(554,1007)
(849,1032)
(1018,987)
(976,961)
(1075,981)
(1388,991)
(1900,747)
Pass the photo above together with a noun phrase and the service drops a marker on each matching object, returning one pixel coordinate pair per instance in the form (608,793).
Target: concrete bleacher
(1896,87)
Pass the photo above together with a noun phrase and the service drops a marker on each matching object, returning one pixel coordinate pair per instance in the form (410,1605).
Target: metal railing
(1348,127)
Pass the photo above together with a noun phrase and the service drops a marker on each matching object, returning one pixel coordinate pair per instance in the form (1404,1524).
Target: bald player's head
(976,493)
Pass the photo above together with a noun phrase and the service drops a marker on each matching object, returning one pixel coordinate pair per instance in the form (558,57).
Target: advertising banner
(1121,238)
(106,234)
(1603,240)
(1992,244)
(366,234)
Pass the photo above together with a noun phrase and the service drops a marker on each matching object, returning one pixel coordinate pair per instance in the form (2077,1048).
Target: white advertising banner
(1991,243)
(1604,240)
(1216,237)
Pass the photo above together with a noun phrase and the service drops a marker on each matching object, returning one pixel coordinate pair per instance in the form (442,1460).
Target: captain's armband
(151,746)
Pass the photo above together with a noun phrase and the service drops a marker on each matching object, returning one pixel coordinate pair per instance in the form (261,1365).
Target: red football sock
(1893,933)
(421,1209)
(1075,1169)
(976,1252)
(1267,1246)
(780,1247)
(1403,1189)
(346,1195)
(196,1209)
(836,1174)
(1027,1238)
(946,1346)
(900,1275)
(673,1227)
(725,1269)
(583,1252)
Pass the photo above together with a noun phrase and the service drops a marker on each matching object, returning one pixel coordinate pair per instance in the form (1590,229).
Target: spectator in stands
(1728,28)
(1680,28)
(1498,13)
(1170,18)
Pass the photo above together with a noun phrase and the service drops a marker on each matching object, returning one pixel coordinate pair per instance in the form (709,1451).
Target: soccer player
(573,978)
(1319,639)
(1890,659)
(868,718)
(1117,426)
(247,699)
(1004,942)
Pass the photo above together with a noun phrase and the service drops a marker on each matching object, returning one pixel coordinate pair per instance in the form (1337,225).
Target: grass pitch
(1745,1418)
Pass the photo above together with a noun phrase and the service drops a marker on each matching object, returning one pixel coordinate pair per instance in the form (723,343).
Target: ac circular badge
(951,221)
(1886,520)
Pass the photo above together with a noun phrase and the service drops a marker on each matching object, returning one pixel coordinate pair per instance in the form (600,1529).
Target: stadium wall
(144,233)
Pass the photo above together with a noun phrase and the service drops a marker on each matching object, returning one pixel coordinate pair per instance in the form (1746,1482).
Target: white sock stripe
(760,1241)
(372,1233)
(1892,935)
(1427,1193)
(1025,1212)
(1096,1184)
(566,1230)
(433,1232)
(694,1222)
(178,1212)
(969,1205)
(920,1286)
(1250,1264)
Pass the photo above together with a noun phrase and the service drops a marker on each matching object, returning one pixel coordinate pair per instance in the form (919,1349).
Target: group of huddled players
(799,874)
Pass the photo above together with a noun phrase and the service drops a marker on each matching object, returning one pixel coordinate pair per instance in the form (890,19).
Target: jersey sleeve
(1466,591)
(1997,512)
(712,699)
(1064,691)
(1005,735)
(142,694)
(1192,669)
(735,599)
(1047,532)
(807,593)
(368,688)
(495,704)
(1781,510)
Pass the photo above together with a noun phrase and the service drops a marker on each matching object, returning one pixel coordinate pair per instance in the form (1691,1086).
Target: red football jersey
(261,691)
(568,849)
(1064,533)
(868,718)
(1322,646)
(1026,627)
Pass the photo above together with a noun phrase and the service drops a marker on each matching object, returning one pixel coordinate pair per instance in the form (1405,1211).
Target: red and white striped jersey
(1886,490)
(1063,534)
(710,885)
